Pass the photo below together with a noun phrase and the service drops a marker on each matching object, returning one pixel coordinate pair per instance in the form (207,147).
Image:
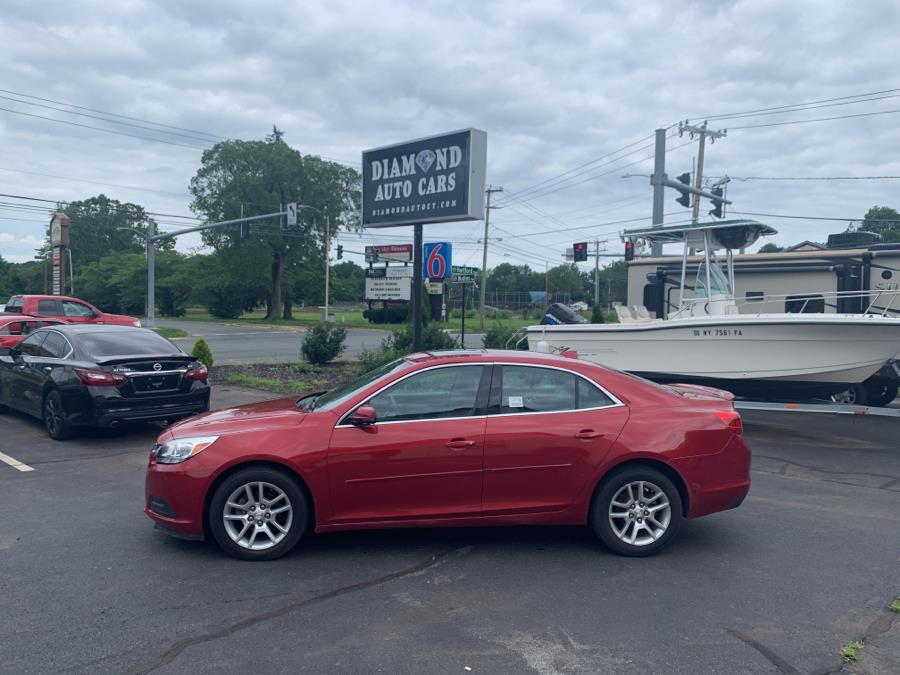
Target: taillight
(198,374)
(731,419)
(100,378)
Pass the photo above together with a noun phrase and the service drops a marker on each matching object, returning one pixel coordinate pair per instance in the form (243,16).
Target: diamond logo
(424,159)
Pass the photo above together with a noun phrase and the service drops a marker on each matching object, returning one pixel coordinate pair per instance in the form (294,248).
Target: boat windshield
(717,280)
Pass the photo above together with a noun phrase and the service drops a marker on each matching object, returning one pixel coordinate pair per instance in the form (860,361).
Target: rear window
(127,343)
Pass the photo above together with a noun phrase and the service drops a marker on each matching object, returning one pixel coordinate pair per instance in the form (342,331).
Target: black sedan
(74,376)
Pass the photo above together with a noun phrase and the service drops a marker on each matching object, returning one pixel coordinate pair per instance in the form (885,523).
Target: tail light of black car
(198,373)
(100,378)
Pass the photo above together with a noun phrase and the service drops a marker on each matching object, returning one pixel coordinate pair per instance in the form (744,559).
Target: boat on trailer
(708,341)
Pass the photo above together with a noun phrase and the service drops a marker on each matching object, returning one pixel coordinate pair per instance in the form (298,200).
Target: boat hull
(777,355)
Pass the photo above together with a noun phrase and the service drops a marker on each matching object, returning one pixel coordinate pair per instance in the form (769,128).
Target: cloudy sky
(568,92)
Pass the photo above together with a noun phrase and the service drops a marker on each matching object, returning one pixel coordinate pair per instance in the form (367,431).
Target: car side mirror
(363,416)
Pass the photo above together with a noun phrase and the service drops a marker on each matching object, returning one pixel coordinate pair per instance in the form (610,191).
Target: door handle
(588,434)
(459,443)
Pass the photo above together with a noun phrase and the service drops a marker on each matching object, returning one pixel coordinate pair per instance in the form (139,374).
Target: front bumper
(174,495)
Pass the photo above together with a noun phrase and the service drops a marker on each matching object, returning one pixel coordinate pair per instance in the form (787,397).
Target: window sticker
(515,402)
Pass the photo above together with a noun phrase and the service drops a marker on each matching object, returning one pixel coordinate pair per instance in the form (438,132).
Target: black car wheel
(58,427)
(856,394)
(636,511)
(258,513)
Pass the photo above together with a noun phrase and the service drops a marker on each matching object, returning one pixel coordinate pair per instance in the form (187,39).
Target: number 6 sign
(437,263)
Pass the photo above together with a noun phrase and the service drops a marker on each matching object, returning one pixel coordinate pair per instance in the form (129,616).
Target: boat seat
(641,313)
(624,314)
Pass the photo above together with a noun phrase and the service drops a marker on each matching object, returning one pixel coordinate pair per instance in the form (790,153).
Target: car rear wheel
(258,513)
(856,394)
(58,427)
(636,511)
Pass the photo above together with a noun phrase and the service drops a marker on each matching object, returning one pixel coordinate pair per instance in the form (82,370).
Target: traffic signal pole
(658,181)
(596,272)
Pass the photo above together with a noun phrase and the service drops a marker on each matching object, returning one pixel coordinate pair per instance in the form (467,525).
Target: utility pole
(597,243)
(487,219)
(703,132)
(327,268)
(151,273)
(658,181)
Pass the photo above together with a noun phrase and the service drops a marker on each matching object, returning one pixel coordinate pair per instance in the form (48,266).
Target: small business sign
(464,275)
(388,288)
(437,259)
(292,214)
(434,287)
(389,252)
(382,272)
(434,179)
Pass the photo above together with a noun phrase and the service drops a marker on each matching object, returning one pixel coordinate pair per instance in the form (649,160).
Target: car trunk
(149,376)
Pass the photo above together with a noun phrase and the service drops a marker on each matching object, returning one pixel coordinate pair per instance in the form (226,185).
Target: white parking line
(14,463)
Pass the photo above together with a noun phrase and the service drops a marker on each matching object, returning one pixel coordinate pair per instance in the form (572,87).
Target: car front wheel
(636,511)
(258,513)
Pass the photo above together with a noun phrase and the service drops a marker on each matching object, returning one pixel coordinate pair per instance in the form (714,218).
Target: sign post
(59,240)
(436,179)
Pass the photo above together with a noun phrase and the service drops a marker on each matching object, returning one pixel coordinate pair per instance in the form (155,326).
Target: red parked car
(455,438)
(66,309)
(14,327)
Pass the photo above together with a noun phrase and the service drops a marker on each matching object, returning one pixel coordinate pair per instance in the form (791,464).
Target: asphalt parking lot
(808,563)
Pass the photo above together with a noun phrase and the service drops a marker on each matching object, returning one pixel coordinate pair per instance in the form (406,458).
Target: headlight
(175,452)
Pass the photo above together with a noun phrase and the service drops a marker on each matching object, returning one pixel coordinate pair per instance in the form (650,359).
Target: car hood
(118,319)
(243,418)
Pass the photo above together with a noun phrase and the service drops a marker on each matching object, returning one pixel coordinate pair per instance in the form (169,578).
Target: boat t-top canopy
(730,234)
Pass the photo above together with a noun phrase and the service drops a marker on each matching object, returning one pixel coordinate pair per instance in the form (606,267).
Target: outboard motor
(558,313)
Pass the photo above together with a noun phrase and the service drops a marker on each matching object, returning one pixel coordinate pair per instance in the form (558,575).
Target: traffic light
(340,252)
(718,209)
(579,251)
(245,230)
(629,250)
(685,198)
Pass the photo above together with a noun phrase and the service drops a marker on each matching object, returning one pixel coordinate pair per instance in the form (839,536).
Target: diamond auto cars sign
(435,179)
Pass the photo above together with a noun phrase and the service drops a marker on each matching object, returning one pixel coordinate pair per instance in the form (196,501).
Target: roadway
(233,344)
(805,565)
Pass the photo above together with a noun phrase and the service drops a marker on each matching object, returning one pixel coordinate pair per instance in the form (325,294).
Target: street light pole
(151,274)
(327,268)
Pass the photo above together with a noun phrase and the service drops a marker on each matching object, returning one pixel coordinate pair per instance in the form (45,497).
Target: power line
(782,215)
(94,182)
(109,114)
(109,131)
(818,119)
(746,178)
(105,119)
(784,108)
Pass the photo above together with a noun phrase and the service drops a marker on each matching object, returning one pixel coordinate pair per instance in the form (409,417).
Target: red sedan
(14,327)
(455,438)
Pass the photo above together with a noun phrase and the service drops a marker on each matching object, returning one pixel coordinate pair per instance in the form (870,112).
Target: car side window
(32,344)
(55,345)
(432,394)
(13,306)
(48,307)
(71,308)
(533,389)
(590,396)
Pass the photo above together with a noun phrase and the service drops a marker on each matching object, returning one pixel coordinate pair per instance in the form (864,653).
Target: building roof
(806,246)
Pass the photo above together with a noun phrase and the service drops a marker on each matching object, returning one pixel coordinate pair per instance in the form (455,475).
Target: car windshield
(330,399)
(127,343)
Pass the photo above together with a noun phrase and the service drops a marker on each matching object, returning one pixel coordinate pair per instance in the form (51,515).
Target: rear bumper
(99,410)
(717,482)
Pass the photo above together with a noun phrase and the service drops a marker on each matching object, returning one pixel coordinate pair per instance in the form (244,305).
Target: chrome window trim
(617,403)
(481,364)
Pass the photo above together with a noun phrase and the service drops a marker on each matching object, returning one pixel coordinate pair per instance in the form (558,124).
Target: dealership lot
(807,564)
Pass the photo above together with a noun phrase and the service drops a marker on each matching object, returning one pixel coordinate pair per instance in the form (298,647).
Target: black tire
(267,476)
(880,390)
(54,415)
(855,394)
(610,487)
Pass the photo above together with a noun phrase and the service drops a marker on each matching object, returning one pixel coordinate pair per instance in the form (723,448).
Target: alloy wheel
(639,513)
(53,414)
(257,515)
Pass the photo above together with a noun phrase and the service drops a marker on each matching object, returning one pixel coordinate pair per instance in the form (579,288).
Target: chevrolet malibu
(455,438)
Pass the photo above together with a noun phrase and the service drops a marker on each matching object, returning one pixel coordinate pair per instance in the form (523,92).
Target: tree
(259,177)
(770,248)
(100,226)
(566,279)
(883,220)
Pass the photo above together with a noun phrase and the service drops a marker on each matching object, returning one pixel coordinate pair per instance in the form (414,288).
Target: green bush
(498,336)
(397,314)
(323,342)
(202,352)
(597,314)
(432,338)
